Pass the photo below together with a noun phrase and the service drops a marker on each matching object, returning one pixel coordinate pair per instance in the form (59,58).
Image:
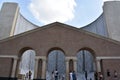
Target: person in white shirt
(71,75)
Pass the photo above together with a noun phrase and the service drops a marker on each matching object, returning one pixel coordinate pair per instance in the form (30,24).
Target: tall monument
(8,19)
(111,11)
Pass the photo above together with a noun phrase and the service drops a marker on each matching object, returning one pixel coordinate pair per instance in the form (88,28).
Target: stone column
(36,67)
(98,65)
(43,68)
(67,68)
(15,60)
(75,64)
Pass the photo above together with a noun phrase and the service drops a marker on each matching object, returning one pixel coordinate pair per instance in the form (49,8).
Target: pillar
(67,69)
(36,68)
(98,65)
(43,68)
(75,64)
(15,60)
(8,18)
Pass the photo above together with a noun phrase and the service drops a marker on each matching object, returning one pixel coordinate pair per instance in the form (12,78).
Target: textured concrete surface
(111,10)
(8,17)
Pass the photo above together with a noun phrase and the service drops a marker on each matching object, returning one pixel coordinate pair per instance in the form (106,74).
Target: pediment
(59,29)
(65,37)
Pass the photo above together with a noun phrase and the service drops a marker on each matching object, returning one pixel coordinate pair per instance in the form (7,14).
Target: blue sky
(77,13)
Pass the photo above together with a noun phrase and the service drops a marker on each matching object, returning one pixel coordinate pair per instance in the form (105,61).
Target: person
(56,74)
(71,75)
(96,76)
(100,76)
(108,73)
(53,76)
(115,74)
(29,75)
(63,77)
(74,75)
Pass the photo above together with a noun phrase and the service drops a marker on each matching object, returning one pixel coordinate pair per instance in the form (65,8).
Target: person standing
(100,76)
(56,74)
(29,75)
(71,75)
(53,76)
(115,74)
(74,75)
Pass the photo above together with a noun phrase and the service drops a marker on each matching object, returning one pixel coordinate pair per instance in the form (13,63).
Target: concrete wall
(97,27)
(23,25)
(108,24)
(111,11)
(12,22)
(8,17)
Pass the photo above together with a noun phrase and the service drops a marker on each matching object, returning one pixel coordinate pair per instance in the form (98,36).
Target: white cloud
(47,11)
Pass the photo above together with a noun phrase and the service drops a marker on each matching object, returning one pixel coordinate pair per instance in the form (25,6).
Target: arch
(88,49)
(86,62)
(55,48)
(23,50)
(27,63)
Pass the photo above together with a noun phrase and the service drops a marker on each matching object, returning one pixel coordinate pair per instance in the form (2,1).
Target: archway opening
(56,63)
(26,65)
(85,65)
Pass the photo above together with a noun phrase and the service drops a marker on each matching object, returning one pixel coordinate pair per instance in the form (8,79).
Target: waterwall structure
(100,40)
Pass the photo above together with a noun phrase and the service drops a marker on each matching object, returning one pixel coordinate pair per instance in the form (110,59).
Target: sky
(77,13)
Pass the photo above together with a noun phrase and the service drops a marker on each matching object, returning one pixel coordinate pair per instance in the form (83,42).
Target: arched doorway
(26,64)
(85,65)
(56,62)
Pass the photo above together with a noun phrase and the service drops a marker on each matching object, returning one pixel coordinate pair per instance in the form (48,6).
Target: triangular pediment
(60,26)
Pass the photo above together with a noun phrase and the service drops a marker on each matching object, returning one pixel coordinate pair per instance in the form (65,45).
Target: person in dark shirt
(108,73)
(74,76)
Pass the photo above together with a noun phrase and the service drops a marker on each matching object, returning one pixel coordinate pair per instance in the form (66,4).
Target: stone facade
(61,36)
(58,36)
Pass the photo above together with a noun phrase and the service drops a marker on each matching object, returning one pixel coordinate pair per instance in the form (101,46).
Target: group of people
(73,75)
(109,73)
(28,75)
(100,75)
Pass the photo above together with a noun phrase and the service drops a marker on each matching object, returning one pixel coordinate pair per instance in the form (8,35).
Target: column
(14,67)
(67,69)
(43,68)
(75,64)
(98,65)
(36,67)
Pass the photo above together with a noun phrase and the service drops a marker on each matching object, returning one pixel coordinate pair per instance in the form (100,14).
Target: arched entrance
(26,65)
(85,65)
(56,62)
